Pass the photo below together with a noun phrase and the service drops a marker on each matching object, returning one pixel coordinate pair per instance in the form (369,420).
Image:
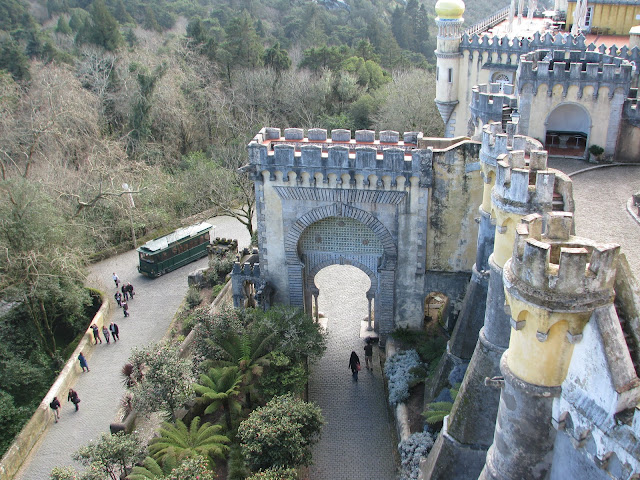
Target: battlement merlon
(496,142)
(557,267)
(489,100)
(246,269)
(546,67)
(519,188)
(341,155)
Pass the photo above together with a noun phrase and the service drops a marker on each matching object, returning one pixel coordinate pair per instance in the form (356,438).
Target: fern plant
(176,439)
(220,388)
(436,411)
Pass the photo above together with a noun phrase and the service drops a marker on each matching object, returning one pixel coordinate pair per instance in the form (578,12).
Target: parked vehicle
(172,251)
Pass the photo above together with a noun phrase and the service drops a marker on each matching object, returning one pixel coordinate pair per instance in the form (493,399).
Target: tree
(41,269)
(231,191)
(176,439)
(104,29)
(405,111)
(114,455)
(243,44)
(281,433)
(220,388)
(166,379)
(13,59)
(277,58)
(63,27)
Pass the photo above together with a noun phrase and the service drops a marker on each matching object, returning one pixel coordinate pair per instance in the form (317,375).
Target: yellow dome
(450,9)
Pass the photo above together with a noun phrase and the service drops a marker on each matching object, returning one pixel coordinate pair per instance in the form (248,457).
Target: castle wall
(456,194)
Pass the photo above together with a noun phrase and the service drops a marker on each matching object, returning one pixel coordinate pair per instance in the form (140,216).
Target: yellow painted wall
(617,18)
(599,110)
(539,362)
(470,74)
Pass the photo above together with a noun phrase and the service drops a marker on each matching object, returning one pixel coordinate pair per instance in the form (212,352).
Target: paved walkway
(356,441)
(101,389)
(601,205)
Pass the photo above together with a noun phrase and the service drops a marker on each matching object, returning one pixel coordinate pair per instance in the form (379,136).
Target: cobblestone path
(356,442)
(101,389)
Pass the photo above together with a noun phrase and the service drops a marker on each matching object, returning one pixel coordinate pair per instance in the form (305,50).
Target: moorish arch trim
(338,210)
(373,277)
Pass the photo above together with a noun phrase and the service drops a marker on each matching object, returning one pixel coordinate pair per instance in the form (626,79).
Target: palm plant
(436,411)
(176,439)
(249,352)
(220,388)
(150,469)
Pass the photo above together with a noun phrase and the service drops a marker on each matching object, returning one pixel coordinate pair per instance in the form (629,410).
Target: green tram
(164,254)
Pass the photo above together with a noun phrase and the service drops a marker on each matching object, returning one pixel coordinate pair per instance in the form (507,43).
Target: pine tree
(105,30)
(63,26)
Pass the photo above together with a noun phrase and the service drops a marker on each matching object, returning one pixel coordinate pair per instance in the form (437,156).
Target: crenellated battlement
(561,41)
(497,142)
(574,68)
(340,156)
(547,257)
(246,270)
(520,185)
(488,102)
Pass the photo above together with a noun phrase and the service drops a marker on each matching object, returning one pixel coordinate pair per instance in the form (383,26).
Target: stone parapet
(496,141)
(574,68)
(341,157)
(489,100)
(562,41)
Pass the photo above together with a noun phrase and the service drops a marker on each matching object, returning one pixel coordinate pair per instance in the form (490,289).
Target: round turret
(449,9)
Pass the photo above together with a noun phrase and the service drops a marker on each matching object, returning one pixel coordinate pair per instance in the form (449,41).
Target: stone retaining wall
(41,419)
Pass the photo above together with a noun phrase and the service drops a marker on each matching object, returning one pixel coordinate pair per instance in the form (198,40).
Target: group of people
(121,298)
(107,333)
(55,403)
(354,360)
(113,331)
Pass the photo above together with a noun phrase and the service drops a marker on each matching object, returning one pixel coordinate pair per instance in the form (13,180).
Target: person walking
(118,297)
(130,290)
(83,362)
(115,332)
(105,334)
(368,354)
(55,406)
(125,308)
(125,292)
(116,280)
(73,398)
(96,333)
(354,365)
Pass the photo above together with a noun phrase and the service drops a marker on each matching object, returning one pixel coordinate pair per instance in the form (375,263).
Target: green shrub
(596,150)
(216,291)
(193,297)
(275,473)
(282,376)
(280,434)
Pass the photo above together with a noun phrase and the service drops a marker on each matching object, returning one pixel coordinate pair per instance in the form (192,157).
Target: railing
(488,22)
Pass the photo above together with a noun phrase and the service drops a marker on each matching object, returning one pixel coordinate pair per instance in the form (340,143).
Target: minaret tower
(449,21)
(553,283)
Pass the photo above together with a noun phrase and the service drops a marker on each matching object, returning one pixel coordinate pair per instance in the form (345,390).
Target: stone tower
(553,283)
(449,21)
(519,189)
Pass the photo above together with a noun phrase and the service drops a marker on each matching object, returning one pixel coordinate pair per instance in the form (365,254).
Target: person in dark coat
(125,308)
(130,290)
(96,333)
(55,406)
(368,355)
(118,297)
(354,365)
(106,334)
(83,362)
(125,292)
(73,398)
(115,331)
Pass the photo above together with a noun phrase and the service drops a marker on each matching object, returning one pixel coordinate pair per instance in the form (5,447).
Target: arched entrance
(339,241)
(343,235)
(567,130)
